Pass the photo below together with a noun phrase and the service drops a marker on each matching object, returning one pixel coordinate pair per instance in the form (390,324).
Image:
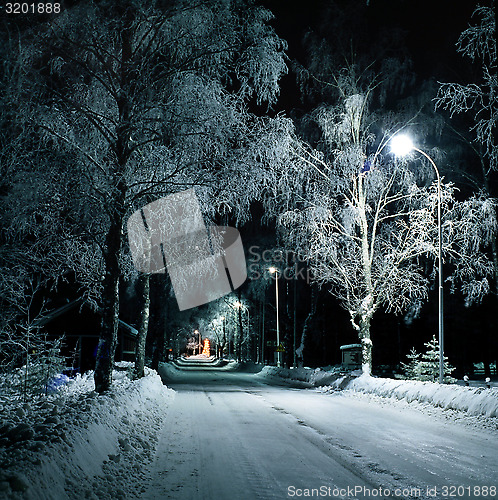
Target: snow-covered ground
(264,437)
(228,433)
(76,444)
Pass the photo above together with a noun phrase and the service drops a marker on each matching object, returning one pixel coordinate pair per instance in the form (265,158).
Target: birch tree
(367,224)
(143,101)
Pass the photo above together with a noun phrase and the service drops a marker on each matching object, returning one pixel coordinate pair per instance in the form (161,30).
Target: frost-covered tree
(425,366)
(218,332)
(480,99)
(367,224)
(428,366)
(478,42)
(141,101)
(28,358)
(227,321)
(412,368)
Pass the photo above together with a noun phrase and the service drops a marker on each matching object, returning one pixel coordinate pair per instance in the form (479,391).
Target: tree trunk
(144,294)
(110,309)
(120,153)
(162,332)
(366,346)
(294,317)
(158,353)
(366,309)
(306,327)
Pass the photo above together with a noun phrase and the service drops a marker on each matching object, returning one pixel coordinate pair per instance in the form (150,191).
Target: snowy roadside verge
(310,377)
(78,444)
(471,400)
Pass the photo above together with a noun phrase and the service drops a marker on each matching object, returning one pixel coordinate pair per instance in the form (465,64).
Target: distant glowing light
(401,145)
(207,347)
(272,270)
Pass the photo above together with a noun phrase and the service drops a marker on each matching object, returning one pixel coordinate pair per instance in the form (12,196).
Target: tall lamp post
(274,270)
(224,336)
(401,145)
(239,306)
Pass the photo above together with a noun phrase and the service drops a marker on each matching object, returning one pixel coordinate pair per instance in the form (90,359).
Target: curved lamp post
(274,270)
(401,145)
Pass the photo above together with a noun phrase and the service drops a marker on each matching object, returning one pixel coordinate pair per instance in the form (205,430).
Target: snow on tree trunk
(366,347)
(144,294)
(109,330)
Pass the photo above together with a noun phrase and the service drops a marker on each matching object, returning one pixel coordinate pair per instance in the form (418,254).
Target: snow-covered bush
(411,369)
(426,368)
(41,361)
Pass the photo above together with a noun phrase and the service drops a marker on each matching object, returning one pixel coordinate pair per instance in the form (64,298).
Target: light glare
(401,145)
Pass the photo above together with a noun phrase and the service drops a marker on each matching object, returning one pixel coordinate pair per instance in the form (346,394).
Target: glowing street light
(274,270)
(401,145)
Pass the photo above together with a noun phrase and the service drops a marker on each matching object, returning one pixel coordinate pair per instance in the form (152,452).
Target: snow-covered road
(233,435)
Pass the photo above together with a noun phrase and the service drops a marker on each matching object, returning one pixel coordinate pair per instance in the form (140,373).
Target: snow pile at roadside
(473,400)
(78,444)
(308,376)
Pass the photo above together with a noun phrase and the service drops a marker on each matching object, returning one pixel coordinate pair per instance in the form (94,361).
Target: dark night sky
(429,30)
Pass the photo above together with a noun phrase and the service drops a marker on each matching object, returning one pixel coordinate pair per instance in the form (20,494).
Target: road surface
(231,435)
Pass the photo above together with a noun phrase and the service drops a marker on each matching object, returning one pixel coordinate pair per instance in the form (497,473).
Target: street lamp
(197,332)
(274,270)
(240,306)
(401,145)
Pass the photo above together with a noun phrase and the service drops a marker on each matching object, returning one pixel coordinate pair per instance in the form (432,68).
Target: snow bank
(309,376)
(472,400)
(78,444)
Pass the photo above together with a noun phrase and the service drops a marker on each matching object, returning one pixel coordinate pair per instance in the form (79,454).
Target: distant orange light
(207,348)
